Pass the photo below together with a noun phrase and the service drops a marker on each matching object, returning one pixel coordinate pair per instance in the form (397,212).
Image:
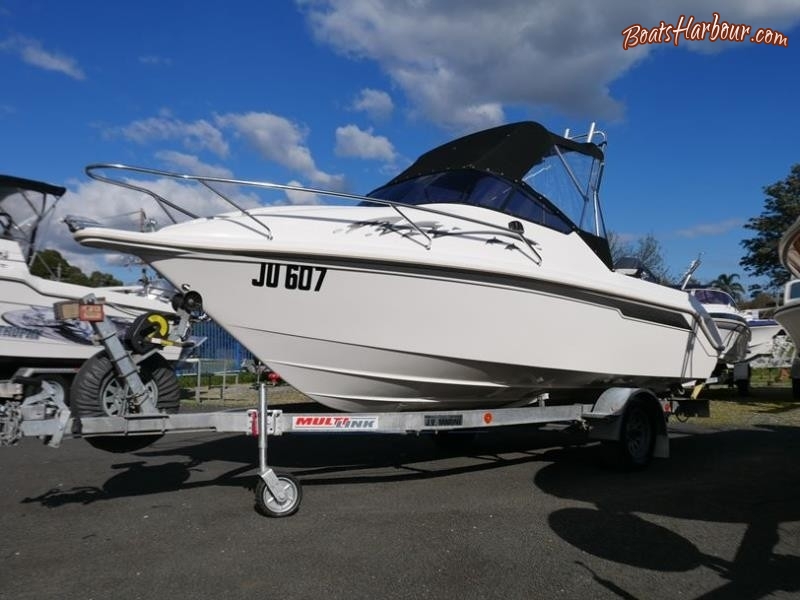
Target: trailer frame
(632,418)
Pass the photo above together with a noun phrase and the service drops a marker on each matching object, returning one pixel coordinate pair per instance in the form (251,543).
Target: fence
(219,355)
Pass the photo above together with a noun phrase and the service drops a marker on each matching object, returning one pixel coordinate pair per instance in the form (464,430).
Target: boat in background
(478,277)
(763,334)
(788,314)
(731,323)
(30,335)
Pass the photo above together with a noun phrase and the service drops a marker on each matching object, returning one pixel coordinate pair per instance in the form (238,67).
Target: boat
(765,334)
(480,276)
(731,323)
(30,335)
(788,314)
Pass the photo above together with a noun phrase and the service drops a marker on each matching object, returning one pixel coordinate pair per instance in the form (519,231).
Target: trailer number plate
(444,420)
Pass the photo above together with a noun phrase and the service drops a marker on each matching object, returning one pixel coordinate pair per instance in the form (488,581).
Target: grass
(769,402)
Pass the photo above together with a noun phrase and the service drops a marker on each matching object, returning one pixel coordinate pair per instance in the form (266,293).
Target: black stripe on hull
(629,308)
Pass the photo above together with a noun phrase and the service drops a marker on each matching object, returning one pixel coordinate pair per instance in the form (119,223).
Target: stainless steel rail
(95,172)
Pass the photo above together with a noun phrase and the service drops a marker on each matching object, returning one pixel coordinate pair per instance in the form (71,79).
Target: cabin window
(467,186)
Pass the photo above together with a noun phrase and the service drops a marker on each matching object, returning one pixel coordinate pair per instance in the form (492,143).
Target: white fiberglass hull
(30,336)
(762,337)
(788,315)
(392,325)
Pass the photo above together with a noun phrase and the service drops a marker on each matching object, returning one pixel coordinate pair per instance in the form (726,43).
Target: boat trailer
(634,419)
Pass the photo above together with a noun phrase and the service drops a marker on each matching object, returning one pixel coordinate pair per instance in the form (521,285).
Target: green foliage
(49,264)
(761,300)
(781,209)
(728,283)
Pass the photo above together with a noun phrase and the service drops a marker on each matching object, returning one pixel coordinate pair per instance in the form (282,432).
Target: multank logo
(335,423)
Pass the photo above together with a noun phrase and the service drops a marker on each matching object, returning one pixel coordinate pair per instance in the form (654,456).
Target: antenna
(690,271)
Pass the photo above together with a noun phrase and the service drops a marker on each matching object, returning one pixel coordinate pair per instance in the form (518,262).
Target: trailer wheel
(796,388)
(268,506)
(96,392)
(637,436)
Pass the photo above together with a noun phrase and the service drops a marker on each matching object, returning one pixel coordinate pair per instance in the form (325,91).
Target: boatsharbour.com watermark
(696,31)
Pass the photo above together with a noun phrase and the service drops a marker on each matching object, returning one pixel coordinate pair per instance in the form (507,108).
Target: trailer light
(487,418)
(73,309)
(253,414)
(91,312)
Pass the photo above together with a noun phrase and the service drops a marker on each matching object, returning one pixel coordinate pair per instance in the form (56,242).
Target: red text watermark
(692,30)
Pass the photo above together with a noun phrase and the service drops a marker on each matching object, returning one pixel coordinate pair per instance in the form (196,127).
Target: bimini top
(10,185)
(22,210)
(508,150)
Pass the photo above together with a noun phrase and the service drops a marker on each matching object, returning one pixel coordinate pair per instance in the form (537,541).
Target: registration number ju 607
(291,277)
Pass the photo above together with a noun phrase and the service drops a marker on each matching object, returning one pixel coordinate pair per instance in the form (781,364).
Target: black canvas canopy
(508,150)
(17,183)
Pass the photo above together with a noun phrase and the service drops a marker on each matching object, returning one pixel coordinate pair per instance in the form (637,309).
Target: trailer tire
(96,392)
(796,388)
(637,436)
(268,506)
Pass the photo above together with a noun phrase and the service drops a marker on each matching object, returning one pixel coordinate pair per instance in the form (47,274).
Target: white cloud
(198,135)
(295,197)
(377,104)
(282,141)
(354,142)
(461,63)
(122,208)
(32,53)
(192,165)
(707,229)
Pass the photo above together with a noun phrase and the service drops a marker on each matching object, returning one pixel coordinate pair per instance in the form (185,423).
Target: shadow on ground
(748,477)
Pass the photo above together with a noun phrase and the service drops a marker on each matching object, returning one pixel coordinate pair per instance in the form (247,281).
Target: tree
(781,209)
(646,249)
(99,279)
(728,283)
(49,264)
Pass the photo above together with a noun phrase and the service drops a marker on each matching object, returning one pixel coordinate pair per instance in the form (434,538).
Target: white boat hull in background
(29,333)
(788,315)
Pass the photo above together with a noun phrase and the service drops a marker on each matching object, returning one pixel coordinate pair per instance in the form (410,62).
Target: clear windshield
(570,180)
(561,191)
(467,186)
(714,297)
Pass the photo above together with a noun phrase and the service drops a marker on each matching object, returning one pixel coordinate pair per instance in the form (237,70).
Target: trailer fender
(606,417)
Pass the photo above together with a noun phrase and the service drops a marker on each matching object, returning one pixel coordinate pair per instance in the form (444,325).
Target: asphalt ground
(517,513)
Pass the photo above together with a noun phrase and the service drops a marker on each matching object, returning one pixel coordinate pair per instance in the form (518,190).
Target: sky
(344,94)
